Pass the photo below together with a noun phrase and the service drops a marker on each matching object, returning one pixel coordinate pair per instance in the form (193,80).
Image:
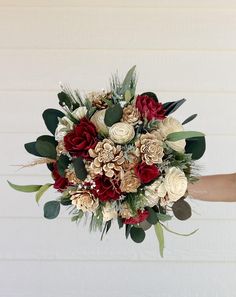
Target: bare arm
(220,187)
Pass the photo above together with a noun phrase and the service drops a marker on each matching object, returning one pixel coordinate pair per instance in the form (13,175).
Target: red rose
(146,173)
(106,189)
(81,139)
(60,182)
(141,216)
(150,108)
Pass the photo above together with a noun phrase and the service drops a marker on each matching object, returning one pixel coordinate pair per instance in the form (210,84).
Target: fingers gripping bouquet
(117,156)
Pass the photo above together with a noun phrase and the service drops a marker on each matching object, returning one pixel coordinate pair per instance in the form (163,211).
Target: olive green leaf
(41,191)
(46,146)
(50,117)
(175,136)
(25,188)
(51,209)
(113,115)
(160,237)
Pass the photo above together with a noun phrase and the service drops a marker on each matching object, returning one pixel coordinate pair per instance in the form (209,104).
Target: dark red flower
(150,108)
(61,182)
(81,139)
(106,188)
(140,217)
(146,173)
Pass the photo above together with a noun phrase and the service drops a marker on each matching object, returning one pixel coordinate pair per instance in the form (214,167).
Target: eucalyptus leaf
(46,146)
(80,169)
(152,217)
(163,217)
(50,117)
(180,234)
(181,210)
(189,119)
(41,191)
(120,222)
(145,225)
(170,107)
(64,100)
(175,136)
(128,96)
(62,164)
(137,234)
(160,237)
(25,188)
(195,146)
(51,209)
(127,230)
(128,79)
(113,115)
(31,148)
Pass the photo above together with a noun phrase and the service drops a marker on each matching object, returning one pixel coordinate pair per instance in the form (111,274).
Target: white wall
(181,49)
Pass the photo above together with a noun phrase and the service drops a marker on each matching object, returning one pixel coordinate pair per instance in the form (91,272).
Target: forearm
(220,187)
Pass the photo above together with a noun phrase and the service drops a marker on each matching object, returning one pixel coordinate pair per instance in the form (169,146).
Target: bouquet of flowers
(117,156)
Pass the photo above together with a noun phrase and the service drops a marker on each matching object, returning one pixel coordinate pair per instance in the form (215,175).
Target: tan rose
(121,133)
(170,125)
(98,120)
(174,185)
(131,115)
(84,200)
(129,182)
(125,211)
(109,212)
(150,148)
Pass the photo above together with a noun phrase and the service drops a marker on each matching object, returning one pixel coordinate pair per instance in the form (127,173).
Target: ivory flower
(64,126)
(85,201)
(170,125)
(79,112)
(174,185)
(121,133)
(152,194)
(109,212)
(98,120)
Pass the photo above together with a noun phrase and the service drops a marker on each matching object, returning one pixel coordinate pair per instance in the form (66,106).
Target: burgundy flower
(149,108)
(81,139)
(61,182)
(146,173)
(141,216)
(106,188)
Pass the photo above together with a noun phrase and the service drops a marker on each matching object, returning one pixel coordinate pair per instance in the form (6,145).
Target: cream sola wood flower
(170,125)
(98,120)
(131,115)
(121,133)
(109,211)
(108,158)
(84,200)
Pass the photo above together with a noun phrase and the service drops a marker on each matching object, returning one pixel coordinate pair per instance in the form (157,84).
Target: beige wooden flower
(125,211)
(150,148)
(98,120)
(121,133)
(72,178)
(129,182)
(84,200)
(109,212)
(108,158)
(131,115)
(97,99)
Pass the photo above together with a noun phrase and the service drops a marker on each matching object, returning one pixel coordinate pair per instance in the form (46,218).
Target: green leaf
(160,237)
(51,209)
(150,94)
(127,230)
(170,107)
(180,234)
(62,164)
(182,210)
(26,188)
(31,148)
(175,136)
(137,234)
(196,146)
(189,119)
(80,169)
(120,222)
(77,216)
(41,191)
(152,218)
(113,115)
(145,225)
(128,79)
(46,146)
(50,117)
(163,217)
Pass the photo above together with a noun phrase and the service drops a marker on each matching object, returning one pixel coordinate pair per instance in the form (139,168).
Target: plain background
(182,49)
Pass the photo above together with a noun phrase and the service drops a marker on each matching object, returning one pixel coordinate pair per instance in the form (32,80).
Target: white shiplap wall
(181,49)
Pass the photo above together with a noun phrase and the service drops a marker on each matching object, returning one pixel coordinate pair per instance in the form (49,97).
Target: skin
(218,188)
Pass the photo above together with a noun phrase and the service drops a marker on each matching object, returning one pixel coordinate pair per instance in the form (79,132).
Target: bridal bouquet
(117,156)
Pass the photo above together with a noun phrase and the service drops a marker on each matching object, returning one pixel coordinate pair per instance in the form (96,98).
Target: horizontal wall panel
(168,28)
(23,205)
(116,3)
(28,114)
(91,69)
(215,159)
(113,279)
(61,239)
